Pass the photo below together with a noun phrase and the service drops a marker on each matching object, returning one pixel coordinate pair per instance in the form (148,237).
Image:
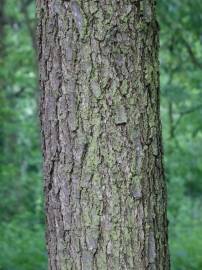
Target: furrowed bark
(104,180)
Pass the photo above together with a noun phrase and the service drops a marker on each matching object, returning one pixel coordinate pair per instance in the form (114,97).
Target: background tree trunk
(104,181)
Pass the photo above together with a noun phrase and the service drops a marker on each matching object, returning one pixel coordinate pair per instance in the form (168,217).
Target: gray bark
(104,180)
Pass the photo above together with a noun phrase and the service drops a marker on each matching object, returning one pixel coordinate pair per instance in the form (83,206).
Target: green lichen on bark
(104,182)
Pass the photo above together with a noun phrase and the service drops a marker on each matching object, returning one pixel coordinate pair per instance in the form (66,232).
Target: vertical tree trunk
(104,181)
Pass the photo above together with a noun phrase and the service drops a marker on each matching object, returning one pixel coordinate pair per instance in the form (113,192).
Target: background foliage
(22,222)
(181,104)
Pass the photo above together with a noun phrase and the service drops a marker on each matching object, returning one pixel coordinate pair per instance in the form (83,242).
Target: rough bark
(104,181)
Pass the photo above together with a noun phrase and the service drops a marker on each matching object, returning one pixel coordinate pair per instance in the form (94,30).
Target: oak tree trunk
(104,181)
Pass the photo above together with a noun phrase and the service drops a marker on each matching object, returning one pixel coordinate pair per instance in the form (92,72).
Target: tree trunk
(104,180)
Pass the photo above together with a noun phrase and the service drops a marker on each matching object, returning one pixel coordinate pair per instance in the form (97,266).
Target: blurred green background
(22,244)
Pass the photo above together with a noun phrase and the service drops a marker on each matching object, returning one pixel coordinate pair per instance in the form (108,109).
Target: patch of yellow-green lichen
(124,87)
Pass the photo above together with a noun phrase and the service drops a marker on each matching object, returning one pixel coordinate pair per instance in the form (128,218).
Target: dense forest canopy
(22,222)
